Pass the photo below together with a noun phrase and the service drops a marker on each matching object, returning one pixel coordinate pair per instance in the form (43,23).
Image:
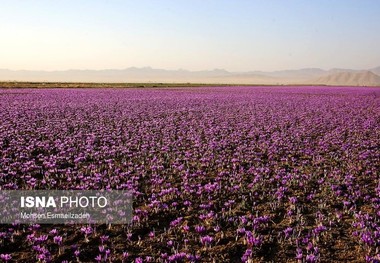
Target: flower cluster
(221,174)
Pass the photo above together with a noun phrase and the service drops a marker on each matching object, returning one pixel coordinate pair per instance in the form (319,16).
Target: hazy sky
(193,34)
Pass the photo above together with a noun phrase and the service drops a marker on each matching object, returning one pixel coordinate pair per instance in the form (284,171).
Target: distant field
(101,85)
(52,85)
(219,174)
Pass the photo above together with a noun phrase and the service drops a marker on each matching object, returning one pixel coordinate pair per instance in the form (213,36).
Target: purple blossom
(200,229)
(206,240)
(288,232)
(58,240)
(5,257)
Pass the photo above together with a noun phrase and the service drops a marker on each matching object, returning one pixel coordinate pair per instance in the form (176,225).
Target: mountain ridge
(364,78)
(214,76)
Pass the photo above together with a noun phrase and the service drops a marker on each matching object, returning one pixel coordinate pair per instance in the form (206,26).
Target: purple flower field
(218,174)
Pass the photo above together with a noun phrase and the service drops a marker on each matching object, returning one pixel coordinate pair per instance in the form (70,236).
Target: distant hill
(305,73)
(376,70)
(364,78)
(216,76)
(145,74)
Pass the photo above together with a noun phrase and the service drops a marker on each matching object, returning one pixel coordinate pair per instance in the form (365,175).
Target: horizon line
(188,70)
